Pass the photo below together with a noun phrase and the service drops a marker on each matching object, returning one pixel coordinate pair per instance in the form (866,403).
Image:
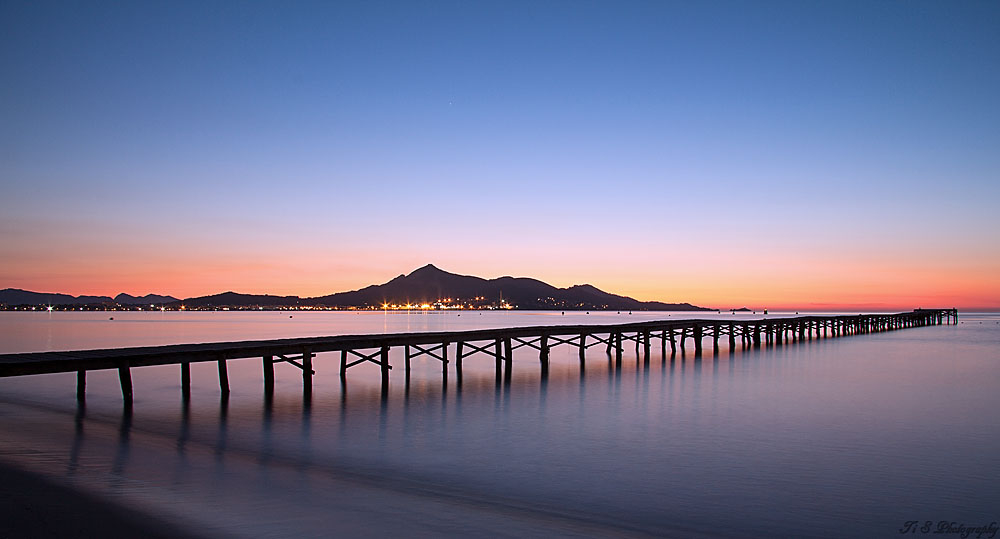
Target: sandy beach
(32,506)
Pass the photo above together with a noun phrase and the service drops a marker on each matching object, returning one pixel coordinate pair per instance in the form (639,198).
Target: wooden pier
(496,343)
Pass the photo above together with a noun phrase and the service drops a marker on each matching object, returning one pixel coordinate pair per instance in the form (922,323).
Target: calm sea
(846,437)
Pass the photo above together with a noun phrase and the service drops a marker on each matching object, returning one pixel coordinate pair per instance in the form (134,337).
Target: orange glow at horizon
(821,285)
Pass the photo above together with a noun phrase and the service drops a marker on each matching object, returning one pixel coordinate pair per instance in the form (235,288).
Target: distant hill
(148,299)
(425,285)
(429,284)
(14,296)
(232,299)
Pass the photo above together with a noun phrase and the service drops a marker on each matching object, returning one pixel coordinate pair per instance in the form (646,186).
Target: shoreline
(35,506)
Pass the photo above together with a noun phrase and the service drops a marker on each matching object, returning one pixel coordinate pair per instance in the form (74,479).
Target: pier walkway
(496,343)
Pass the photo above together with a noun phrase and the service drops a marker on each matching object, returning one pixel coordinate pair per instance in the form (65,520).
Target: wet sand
(32,506)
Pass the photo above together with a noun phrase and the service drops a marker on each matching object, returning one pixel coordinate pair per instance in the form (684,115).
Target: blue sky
(392,132)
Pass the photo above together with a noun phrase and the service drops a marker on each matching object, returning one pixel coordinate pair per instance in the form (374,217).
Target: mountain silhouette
(430,284)
(426,285)
(232,299)
(15,296)
(148,299)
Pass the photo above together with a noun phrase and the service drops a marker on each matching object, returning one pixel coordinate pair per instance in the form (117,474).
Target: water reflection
(121,458)
(659,438)
(78,424)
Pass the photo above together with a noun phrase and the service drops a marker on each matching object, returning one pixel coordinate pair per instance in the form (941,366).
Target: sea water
(842,437)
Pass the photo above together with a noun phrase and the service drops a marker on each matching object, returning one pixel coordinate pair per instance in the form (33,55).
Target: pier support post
(715,340)
(732,337)
(673,343)
(618,348)
(697,340)
(756,335)
(186,380)
(645,346)
(458,357)
(583,347)
(498,355)
(223,378)
(384,365)
(125,378)
(444,359)
(268,363)
(406,357)
(343,363)
(508,353)
(81,385)
(543,352)
(307,372)
(683,338)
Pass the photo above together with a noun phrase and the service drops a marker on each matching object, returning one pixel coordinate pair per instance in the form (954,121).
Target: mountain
(232,299)
(430,284)
(426,285)
(148,299)
(14,296)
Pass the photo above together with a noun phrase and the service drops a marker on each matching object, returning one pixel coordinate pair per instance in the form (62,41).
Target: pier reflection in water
(818,438)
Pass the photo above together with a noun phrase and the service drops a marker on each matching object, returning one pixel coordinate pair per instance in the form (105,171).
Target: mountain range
(14,296)
(426,285)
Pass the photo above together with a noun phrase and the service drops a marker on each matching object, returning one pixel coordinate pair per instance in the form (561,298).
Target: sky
(808,155)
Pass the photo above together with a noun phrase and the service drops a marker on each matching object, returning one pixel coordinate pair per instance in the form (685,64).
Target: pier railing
(497,343)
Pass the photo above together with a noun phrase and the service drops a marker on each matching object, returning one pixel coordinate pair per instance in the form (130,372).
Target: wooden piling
(498,355)
(307,371)
(223,378)
(384,365)
(125,378)
(186,380)
(268,364)
(81,385)
(444,359)
(508,352)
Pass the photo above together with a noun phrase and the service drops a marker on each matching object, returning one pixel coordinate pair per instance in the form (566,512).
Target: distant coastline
(427,288)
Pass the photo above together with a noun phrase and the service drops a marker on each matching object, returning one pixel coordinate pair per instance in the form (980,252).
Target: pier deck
(497,343)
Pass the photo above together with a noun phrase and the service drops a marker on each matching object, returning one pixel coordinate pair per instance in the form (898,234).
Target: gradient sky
(796,154)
